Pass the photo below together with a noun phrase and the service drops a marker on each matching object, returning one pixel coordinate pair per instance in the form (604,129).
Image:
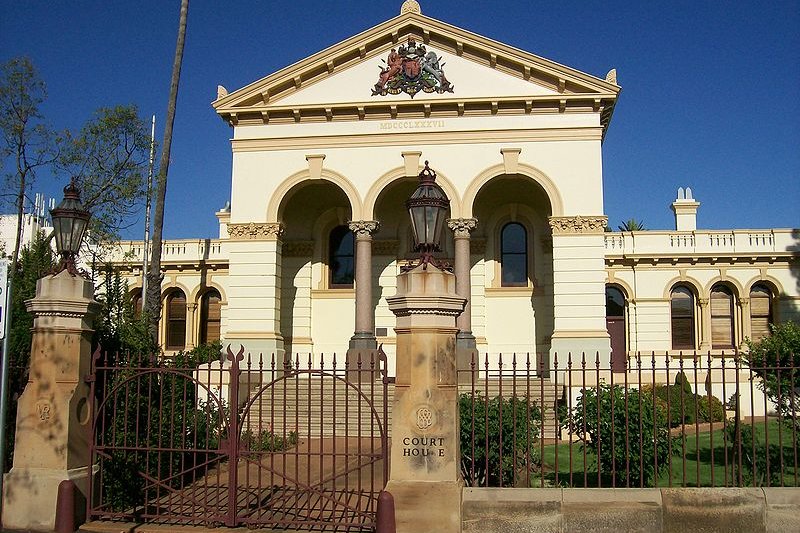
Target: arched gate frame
(239,442)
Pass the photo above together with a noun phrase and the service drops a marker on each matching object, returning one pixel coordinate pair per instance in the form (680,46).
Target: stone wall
(768,510)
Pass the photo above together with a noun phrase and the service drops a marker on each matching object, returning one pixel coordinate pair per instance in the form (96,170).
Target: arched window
(176,320)
(682,318)
(341,264)
(210,315)
(760,311)
(136,303)
(513,255)
(721,317)
(615,303)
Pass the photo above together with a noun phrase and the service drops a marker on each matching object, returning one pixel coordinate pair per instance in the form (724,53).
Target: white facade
(516,146)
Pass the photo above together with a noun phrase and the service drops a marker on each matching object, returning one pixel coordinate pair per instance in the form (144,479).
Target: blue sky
(711,90)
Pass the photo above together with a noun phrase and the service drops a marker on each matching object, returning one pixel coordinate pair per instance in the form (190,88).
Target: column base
(30,496)
(427,505)
(363,341)
(466,353)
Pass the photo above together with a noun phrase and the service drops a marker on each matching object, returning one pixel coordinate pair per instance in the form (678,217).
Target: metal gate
(242,441)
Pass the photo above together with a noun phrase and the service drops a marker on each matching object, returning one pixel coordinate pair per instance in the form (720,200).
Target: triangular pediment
(339,82)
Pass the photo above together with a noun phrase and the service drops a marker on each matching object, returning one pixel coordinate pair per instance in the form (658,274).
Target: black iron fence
(671,419)
(240,441)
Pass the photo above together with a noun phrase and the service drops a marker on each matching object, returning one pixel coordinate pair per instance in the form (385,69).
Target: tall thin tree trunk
(22,170)
(154,275)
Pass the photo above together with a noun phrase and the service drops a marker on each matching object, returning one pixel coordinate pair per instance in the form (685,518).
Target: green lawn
(700,462)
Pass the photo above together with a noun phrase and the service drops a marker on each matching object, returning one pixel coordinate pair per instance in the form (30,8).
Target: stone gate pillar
(425,477)
(53,412)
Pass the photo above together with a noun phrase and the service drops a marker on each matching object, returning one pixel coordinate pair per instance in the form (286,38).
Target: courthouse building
(326,152)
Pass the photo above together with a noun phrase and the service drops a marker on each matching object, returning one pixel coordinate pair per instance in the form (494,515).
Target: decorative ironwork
(241,441)
(412,69)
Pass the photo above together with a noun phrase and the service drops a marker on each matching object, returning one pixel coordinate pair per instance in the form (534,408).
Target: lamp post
(69,225)
(427,207)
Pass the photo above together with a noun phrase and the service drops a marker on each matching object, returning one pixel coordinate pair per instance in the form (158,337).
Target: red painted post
(65,507)
(385,522)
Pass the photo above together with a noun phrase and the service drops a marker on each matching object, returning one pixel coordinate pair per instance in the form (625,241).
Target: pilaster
(254,290)
(579,288)
(705,324)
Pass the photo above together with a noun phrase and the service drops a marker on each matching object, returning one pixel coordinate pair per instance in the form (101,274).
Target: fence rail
(675,419)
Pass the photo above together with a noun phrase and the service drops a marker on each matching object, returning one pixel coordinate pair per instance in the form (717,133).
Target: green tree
(108,159)
(776,360)
(27,143)
(632,225)
(153,297)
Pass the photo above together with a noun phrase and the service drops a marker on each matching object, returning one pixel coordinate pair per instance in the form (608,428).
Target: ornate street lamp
(428,207)
(69,224)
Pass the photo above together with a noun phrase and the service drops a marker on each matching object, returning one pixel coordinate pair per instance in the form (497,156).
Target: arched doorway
(615,324)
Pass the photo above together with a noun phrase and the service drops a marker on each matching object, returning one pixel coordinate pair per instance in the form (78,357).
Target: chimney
(685,208)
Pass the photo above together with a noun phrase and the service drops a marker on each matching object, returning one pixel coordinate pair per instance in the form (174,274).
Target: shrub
(267,441)
(625,436)
(504,442)
(685,407)
(754,455)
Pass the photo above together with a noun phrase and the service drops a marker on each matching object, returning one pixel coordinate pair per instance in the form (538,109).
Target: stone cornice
(255,231)
(578,225)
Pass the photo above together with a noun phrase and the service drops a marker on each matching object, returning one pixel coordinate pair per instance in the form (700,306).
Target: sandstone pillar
(54,410)
(425,477)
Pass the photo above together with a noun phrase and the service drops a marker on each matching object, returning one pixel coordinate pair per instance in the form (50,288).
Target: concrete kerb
(751,510)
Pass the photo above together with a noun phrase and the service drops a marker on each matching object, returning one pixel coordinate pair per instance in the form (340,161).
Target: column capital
(462,226)
(703,302)
(191,307)
(364,228)
(744,301)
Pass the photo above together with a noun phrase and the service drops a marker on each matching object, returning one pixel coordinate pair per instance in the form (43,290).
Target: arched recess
(199,290)
(689,281)
(280,198)
(399,173)
(733,283)
(542,179)
(769,281)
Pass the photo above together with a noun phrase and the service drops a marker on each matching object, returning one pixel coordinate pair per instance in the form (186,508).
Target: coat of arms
(411,69)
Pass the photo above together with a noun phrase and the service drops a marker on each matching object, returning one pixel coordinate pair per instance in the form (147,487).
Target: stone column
(705,324)
(364,335)
(192,326)
(425,477)
(53,412)
(465,340)
(461,229)
(746,330)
